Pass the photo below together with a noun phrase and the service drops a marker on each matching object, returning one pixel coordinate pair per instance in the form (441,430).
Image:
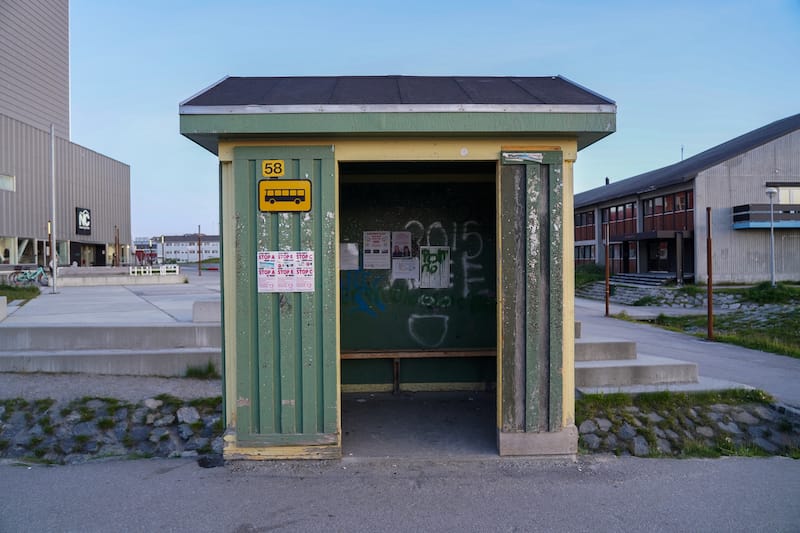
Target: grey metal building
(657,221)
(91,191)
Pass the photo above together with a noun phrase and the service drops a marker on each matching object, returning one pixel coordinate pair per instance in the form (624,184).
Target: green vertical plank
(245,334)
(533,282)
(512,215)
(327,283)
(288,333)
(267,320)
(556,291)
(309,355)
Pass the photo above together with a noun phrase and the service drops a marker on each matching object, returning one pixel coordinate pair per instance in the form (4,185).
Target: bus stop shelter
(395,233)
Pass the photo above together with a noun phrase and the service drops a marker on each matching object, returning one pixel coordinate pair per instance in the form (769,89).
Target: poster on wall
(348,256)
(401,244)
(376,250)
(434,270)
(285,271)
(405,268)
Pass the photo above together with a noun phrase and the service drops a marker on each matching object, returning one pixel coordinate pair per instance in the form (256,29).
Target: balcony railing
(756,216)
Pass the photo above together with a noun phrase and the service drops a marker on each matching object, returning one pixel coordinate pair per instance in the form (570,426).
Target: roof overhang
(207,125)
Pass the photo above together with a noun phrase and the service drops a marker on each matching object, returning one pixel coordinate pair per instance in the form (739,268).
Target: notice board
(392,308)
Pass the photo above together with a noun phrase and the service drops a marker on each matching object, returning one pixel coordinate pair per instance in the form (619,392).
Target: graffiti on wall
(455,254)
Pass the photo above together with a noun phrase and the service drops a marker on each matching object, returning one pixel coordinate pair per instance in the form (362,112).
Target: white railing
(163,270)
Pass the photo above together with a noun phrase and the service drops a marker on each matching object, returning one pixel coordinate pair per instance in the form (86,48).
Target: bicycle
(29,277)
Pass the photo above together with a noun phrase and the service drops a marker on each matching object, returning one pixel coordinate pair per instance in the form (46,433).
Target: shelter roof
(396,104)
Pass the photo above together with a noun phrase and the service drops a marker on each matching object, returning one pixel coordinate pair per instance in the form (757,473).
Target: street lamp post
(771,192)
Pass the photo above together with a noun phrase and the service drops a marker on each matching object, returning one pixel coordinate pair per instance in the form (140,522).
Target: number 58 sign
(273,168)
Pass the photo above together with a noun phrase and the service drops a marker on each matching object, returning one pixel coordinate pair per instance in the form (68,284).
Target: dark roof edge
(201,91)
(685,170)
(609,100)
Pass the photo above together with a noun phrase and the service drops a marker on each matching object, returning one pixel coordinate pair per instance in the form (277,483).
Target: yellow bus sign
(284,195)
(273,168)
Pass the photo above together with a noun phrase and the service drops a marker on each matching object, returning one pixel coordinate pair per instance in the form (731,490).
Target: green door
(286,310)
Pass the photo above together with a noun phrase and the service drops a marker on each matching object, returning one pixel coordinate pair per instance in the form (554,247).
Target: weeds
(646,300)
(588,273)
(777,333)
(203,372)
(765,293)
(105,424)
(19,293)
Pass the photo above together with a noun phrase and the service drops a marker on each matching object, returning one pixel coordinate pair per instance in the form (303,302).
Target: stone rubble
(772,430)
(74,432)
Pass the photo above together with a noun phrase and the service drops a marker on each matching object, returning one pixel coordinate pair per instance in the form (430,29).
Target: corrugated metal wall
(743,255)
(34,62)
(83,179)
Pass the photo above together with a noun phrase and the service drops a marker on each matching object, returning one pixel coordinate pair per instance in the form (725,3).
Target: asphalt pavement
(594,494)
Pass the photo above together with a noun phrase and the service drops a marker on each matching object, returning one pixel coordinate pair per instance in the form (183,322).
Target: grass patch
(779,332)
(87,414)
(765,293)
(170,401)
(595,405)
(105,424)
(646,300)
(588,273)
(19,293)
(206,404)
(209,371)
(693,290)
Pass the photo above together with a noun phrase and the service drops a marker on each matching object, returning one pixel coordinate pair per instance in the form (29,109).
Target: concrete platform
(644,370)
(703,384)
(165,363)
(604,350)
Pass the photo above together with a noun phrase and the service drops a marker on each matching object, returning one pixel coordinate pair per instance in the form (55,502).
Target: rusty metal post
(710,277)
(608,271)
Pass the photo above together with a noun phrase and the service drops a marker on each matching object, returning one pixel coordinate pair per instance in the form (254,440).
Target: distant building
(176,248)
(92,192)
(657,220)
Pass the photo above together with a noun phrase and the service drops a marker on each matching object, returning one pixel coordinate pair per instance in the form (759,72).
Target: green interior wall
(378,313)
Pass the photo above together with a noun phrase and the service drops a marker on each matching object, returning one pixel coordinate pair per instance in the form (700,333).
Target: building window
(8,183)
(786,195)
(680,201)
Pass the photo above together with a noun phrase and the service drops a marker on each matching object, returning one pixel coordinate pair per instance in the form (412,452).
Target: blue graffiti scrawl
(361,289)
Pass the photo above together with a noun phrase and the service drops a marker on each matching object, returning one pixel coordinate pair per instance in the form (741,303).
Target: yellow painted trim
(443,387)
(499,292)
(410,148)
(367,387)
(337,307)
(568,290)
(229,282)
(231,452)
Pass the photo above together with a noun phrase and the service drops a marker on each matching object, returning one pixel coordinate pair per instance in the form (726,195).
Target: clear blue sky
(683,73)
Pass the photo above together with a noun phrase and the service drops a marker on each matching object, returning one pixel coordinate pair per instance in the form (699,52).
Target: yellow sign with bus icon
(284,195)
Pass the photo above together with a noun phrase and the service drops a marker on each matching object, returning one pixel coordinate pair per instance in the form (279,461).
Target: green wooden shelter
(395,233)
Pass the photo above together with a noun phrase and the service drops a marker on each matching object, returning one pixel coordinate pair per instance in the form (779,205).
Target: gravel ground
(66,387)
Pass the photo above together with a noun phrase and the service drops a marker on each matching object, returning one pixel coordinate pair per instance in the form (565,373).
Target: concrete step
(147,338)
(645,370)
(162,362)
(604,350)
(702,384)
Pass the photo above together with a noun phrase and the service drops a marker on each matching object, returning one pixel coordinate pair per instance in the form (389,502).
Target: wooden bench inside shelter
(396,355)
